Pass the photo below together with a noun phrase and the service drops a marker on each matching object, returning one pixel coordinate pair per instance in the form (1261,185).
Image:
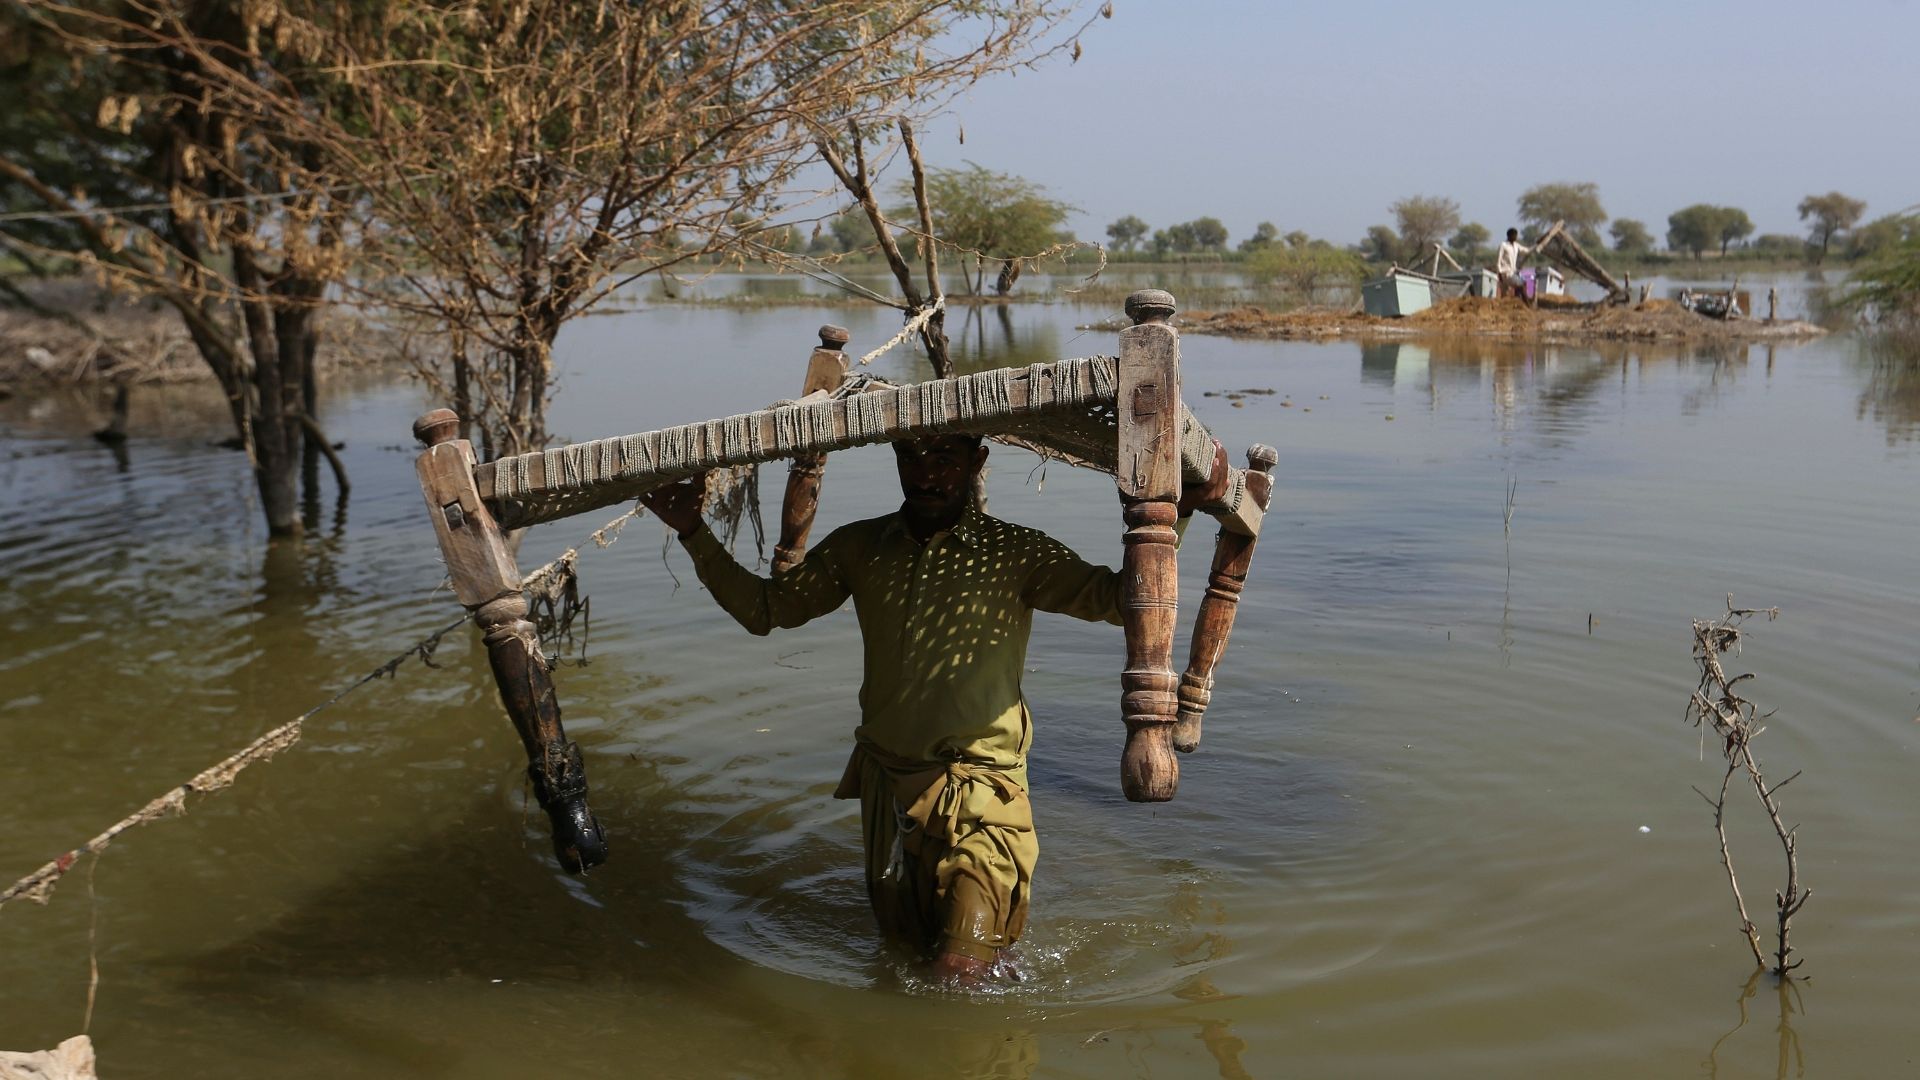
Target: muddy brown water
(1442,823)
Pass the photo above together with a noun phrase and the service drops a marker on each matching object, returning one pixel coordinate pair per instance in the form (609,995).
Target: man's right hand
(678,505)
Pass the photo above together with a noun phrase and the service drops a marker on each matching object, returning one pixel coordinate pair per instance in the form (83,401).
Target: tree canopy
(1204,234)
(1630,237)
(1265,234)
(1577,204)
(1424,220)
(1703,225)
(1127,232)
(1381,244)
(1735,226)
(509,162)
(1887,283)
(1830,213)
(1469,241)
(989,215)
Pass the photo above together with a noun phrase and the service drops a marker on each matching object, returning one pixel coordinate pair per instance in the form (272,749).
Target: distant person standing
(1506,264)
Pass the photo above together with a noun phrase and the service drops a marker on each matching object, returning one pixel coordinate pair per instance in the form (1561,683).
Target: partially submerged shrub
(1305,269)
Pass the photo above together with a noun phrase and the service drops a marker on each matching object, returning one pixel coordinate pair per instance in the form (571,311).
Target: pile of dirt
(1475,314)
(80,335)
(1561,320)
(1561,300)
(1308,322)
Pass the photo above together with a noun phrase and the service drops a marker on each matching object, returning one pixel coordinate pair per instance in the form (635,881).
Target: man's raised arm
(809,590)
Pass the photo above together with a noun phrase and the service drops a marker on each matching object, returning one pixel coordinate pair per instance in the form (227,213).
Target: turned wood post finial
(1262,458)
(437,427)
(834,337)
(1150,305)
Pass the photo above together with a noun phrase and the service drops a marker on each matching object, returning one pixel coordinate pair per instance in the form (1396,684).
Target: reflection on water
(1891,395)
(1411,845)
(1790,1059)
(1553,383)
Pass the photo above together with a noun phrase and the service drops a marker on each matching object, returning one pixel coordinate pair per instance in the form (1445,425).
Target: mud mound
(1475,313)
(1310,322)
(1556,319)
(1562,300)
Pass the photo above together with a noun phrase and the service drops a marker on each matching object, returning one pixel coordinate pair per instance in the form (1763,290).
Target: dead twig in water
(1717,704)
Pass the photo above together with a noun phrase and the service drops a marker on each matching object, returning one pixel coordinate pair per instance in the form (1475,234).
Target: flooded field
(1442,825)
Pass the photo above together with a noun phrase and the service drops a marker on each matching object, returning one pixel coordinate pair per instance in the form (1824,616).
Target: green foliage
(58,122)
(1576,204)
(1887,283)
(1878,235)
(1305,268)
(1779,246)
(1298,238)
(1265,234)
(1127,232)
(850,229)
(1831,213)
(1424,220)
(1200,235)
(1470,242)
(1630,237)
(1696,228)
(991,214)
(1735,225)
(1381,244)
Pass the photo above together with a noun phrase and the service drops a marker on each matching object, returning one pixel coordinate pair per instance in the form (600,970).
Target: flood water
(1442,824)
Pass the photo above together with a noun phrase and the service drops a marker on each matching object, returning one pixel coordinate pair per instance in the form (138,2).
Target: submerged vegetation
(1886,286)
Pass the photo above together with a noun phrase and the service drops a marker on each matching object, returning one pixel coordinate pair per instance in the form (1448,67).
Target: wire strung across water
(38,886)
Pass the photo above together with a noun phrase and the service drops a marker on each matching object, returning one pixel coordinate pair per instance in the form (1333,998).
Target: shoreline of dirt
(95,338)
(1500,320)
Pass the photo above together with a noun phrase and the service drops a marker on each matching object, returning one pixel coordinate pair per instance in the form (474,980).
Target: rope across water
(38,886)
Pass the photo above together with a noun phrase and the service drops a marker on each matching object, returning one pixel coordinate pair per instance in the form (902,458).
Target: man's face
(936,475)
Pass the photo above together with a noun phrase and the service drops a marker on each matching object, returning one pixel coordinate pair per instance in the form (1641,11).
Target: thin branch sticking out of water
(1717,704)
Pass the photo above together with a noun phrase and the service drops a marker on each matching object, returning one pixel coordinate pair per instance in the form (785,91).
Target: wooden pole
(487,582)
(1232,554)
(826,369)
(1148,476)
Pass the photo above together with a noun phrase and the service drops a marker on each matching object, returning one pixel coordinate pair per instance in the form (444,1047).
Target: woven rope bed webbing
(1067,407)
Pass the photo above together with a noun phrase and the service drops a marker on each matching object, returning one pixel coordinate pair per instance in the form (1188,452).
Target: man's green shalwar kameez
(940,756)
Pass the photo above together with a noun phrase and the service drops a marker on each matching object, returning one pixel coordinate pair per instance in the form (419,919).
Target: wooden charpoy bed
(1123,415)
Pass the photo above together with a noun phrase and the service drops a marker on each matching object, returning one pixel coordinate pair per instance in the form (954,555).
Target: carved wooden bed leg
(1232,553)
(487,582)
(825,370)
(1148,475)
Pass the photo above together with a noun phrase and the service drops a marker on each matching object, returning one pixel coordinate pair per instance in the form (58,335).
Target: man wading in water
(945,597)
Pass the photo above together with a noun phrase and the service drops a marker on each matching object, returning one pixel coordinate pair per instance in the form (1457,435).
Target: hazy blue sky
(1317,116)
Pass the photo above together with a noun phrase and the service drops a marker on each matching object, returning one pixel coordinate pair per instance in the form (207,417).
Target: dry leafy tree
(503,163)
(1424,221)
(1831,213)
(123,154)
(1577,204)
(522,159)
